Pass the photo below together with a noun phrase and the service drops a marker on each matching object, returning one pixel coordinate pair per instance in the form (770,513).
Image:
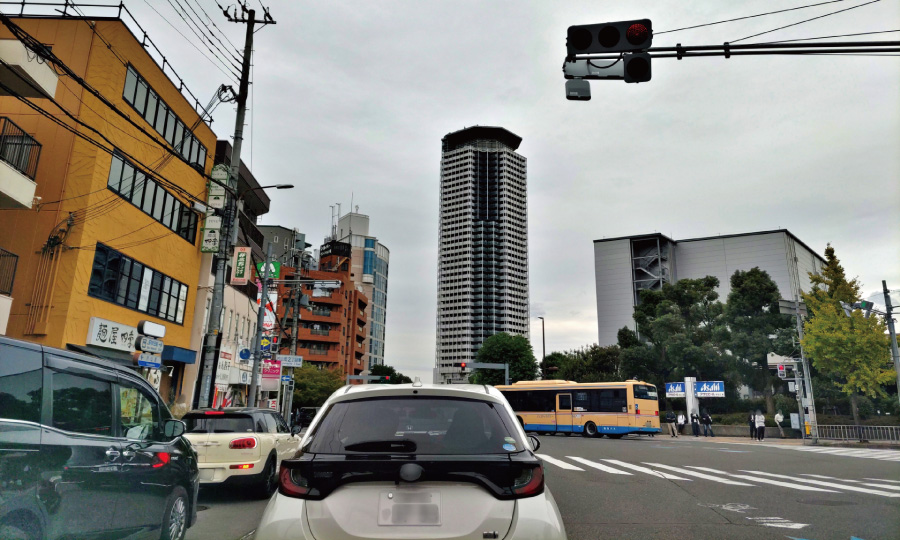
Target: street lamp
(543,349)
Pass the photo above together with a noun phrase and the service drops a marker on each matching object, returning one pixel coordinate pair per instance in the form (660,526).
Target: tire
(19,528)
(590,430)
(269,481)
(175,519)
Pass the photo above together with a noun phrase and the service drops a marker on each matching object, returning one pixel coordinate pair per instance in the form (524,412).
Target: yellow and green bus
(613,409)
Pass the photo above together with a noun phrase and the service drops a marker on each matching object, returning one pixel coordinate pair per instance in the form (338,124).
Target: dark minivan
(88,450)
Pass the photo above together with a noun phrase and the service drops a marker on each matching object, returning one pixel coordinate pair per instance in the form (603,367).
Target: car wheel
(269,481)
(590,430)
(176,517)
(19,529)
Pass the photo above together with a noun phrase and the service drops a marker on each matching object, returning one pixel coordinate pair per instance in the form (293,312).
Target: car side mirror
(296,430)
(173,429)
(535,443)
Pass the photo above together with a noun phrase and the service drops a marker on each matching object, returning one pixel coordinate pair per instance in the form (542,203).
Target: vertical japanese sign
(240,269)
(216,198)
(269,319)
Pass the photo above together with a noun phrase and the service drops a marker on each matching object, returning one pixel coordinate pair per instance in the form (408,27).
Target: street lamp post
(543,349)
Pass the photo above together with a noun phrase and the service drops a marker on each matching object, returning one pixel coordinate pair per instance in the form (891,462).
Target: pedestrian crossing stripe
(699,475)
(800,487)
(559,463)
(596,465)
(645,470)
(827,484)
(870,453)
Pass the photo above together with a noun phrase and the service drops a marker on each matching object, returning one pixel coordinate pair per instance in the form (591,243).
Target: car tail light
(241,466)
(214,412)
(292,484)
(530,482)
(161,459)
(245,443)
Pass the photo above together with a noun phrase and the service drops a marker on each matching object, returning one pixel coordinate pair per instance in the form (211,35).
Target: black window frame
(23,366)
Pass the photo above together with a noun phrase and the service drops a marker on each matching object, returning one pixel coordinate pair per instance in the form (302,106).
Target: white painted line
(883,486)
(558,463)
(832,478)
(827,484)
(778,522)
(883,480)
(596,465)
(767,481)
(699,475)
(645,470)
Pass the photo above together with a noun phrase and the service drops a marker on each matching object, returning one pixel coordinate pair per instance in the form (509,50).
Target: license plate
(207,474)
(409,507)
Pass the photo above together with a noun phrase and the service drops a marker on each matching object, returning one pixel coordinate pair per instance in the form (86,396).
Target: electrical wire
(226,47)
(829,37)
(196,29)
(747,17)
(619,59)
(213,23)
(807,20)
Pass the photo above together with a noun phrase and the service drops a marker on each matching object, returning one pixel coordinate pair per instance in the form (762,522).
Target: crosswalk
(743,478)
(866,453)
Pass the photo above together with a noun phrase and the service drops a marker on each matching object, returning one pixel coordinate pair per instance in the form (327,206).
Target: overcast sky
(351,99)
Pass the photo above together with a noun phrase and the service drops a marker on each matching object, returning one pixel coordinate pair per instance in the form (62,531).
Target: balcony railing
(322,312)
(8,263)
(18,148)
(318,352)
(319,332)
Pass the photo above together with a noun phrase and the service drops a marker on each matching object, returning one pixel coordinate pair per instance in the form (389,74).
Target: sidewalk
(883,445)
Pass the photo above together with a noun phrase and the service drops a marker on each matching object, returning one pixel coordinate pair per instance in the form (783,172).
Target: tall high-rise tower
(483,259)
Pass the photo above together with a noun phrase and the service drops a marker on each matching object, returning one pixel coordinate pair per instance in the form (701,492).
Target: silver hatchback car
(413,461)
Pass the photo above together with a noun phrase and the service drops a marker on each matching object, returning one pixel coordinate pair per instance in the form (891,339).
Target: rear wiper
(393,445)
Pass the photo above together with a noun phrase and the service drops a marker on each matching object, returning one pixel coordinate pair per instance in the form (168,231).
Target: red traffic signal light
(620,36)
(463,365)
(387,377)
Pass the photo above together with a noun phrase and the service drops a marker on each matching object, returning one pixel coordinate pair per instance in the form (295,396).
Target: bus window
(613,400)
(642,391)
(565,402)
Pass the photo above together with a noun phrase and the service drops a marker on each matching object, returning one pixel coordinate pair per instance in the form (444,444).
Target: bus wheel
(590,430)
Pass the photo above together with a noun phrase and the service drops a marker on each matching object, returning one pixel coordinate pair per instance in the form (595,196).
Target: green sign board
(274,270)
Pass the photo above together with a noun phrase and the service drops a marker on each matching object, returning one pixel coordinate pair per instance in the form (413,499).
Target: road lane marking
(740,508)
(645,470)
(883,480)
(827,484)
(559,463)
(777,522)
(766,480)
(832,478)
(596,465)
(699,475)
(882,486)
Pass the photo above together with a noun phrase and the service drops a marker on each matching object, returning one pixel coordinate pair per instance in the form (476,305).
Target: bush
(785,403)
(865,406)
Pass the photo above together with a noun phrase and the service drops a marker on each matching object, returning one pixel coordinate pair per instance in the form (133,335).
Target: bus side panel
(538,421)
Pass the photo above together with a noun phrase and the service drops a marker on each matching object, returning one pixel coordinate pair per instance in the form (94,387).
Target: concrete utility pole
(807,380)
(260,320)
(543,350)
(889,317)
(229,219)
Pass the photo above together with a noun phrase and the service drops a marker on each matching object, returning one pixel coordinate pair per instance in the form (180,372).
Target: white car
(241,446)
(413,461)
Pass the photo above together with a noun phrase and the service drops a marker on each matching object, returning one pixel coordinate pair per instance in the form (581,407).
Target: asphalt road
(645,488)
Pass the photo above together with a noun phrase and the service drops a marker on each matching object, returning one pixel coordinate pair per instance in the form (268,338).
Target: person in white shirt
(681,422)
(760,422)
(779,418)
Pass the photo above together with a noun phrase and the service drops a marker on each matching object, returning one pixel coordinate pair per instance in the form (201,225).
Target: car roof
(245,410)
(366,391)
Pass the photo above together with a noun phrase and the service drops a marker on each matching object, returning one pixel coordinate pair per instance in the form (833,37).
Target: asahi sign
(240,266)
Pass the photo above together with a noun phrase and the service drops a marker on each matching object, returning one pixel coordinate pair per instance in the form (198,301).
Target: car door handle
(112,454)
(128,454)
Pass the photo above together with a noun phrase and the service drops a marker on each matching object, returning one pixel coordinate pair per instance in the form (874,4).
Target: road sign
(147,360)
(792,386)
(709,389)
(148,345)
(286,378)
(265,344)
(244,354)
(290,360)
(674,389)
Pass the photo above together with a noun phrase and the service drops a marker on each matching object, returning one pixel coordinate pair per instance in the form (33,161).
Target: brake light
(161,459)
(292,484)
(241,466)
(214,412)
(245,443)
(530,482)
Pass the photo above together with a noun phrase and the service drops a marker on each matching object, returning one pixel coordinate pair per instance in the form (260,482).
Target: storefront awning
(119,357)
(172,353)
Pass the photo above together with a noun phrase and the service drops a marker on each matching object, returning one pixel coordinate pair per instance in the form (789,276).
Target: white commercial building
(483,259)
(623,266)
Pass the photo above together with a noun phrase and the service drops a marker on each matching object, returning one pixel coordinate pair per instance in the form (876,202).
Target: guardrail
(8,263)
(18,148)
(860,433)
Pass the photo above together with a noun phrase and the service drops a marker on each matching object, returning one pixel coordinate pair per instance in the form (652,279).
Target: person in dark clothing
(706,420)
(670,419)
(752,421)
(695,424)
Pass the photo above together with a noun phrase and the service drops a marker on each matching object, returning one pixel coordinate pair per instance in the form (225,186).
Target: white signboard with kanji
(111,335)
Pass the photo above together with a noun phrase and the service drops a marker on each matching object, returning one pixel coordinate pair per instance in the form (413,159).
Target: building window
(121,280)
(153,199)
(161,118)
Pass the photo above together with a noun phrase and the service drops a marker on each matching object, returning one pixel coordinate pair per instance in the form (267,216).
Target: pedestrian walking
(752,420)
(670,419)
(706,420)
(681,422)
(779,418)
(695,424)
(760,421)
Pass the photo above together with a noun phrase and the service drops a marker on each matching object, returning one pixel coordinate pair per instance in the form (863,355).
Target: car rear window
(415,425)
(226,423)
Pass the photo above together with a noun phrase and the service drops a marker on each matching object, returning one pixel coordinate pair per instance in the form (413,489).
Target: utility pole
(889,317)
(229,219)
(260,320)
(543,351)
(807,380)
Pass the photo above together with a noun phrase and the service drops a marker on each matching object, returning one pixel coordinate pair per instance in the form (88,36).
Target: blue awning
(177,354)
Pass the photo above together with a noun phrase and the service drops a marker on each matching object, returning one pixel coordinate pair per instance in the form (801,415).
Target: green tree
(679,327)
(756,327)
(852,352)
(504,348)
(589,364)
(551,365)
(312,385)
(387,371)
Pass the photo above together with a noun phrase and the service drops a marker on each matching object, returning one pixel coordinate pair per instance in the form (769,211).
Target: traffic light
(462,367)
(620,36)
(637,67)
(865,306)
(782,372)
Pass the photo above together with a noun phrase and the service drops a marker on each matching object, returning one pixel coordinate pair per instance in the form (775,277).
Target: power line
(227,50)
(747,17)
(837,36)
(205,41)
(213,23)
(807,20)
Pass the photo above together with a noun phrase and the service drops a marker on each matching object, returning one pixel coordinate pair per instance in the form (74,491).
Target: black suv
(88,449)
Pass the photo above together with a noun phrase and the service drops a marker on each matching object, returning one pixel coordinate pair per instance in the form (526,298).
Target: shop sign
(269,320)
(111,335)
(240,269)
(209,240)
(271,370)
(223,369)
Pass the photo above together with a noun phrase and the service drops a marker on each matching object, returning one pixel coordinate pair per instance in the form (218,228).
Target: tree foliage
(387,371)
(588,364)
(312,385)
(505,348)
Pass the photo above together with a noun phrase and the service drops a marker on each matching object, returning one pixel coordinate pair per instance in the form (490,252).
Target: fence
(860,433)
(18,148)
(8,262)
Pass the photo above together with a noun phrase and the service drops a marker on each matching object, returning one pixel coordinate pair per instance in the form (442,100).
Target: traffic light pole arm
(727,49)
(483,365)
